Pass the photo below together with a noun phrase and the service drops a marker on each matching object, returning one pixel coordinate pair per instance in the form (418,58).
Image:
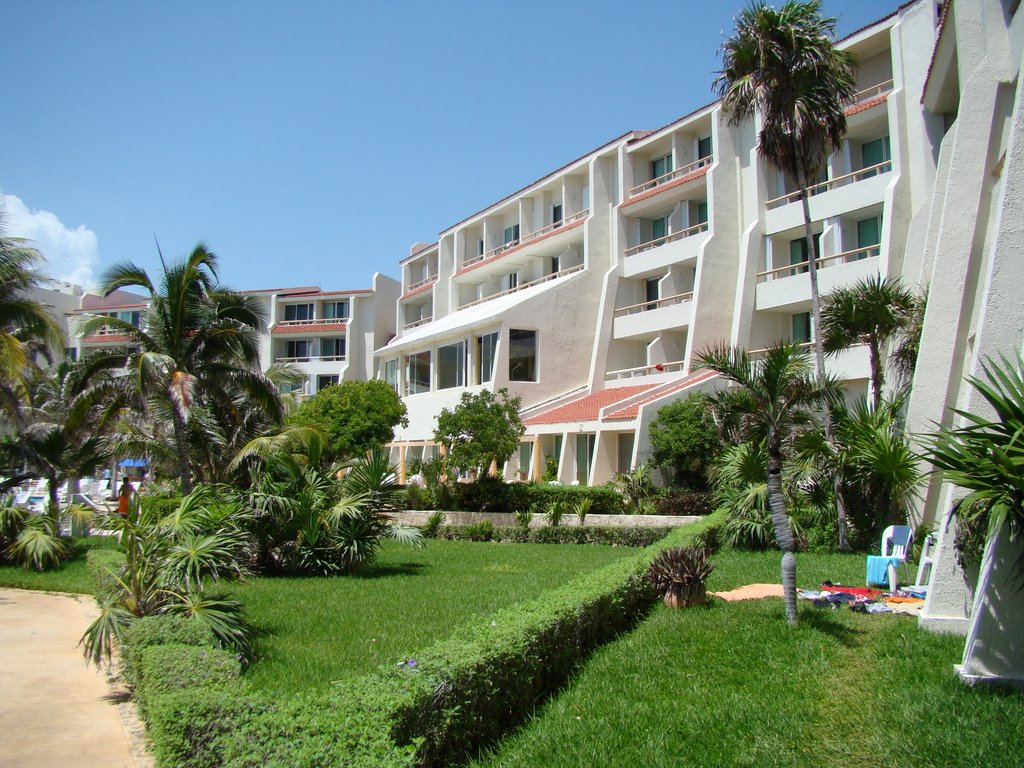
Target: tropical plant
(197,346)
(777,396)
(483,429)
(680,575)
(170,561)
(637,488)
(903,358)
(582,508)
(523,518)
(985,455)
(684,439)
(27,327)
(556,512)
(354,415)
(873,311)
(783,64)
(433,524)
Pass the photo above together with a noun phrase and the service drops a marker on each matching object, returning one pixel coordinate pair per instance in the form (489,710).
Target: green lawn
(732,685)
(316,630)
(70,577)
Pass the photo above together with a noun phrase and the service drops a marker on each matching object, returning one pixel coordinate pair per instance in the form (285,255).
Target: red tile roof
(632,411)
(515,248)
(421,289)
(866,105)
(667,185)
(309,328)
(588,407)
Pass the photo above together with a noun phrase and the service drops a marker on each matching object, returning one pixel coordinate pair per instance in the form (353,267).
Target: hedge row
(101,565)
(562,534)
(435,709)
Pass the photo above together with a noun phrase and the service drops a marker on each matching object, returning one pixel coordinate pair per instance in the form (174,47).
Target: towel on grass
(878,568)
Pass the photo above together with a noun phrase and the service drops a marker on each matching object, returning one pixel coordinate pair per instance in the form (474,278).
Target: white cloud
(71,254)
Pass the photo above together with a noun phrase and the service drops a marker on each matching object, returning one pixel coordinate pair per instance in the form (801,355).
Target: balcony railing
(824,262)
(415,323)
(678,173)
(868,93)
(421,283)
(106,330)
(312,359)
(838,181)
(646,370)
(670,238)
(646,306)
(524,286)
(312,321)
(527,238)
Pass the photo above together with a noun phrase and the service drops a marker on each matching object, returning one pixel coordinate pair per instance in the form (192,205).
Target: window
(556,264)
(702,212)
(556,215)
(298,312)
(297,350)
(336,310)
(487,350)
(522,355)
(480,247)
(325,381)
(512,234)
(659,228)
(874,153)
(127,316)
(333,347)
(418,375)
(451,365)
(510,281)
(391,373)
(703,147)
(584,456)
(869,235)
(651,291)
(798,252)
(802,327)
(661,166)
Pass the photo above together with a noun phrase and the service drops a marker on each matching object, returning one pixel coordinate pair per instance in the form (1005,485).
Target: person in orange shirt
(124,498)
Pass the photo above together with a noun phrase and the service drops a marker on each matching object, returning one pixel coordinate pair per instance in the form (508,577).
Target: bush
(165,668)
(680,574)
(433,525)
(614,536)
(101,565)
(491,494)
(604,501)
(164,629)
(684,503)
(159,506)
(482,531)
(685,439)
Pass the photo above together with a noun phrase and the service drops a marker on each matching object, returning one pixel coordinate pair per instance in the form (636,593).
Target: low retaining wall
(419,517)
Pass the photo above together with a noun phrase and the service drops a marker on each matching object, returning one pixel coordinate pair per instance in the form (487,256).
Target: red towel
(859,591)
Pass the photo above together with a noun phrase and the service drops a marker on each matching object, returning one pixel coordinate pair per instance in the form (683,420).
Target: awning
(135,463)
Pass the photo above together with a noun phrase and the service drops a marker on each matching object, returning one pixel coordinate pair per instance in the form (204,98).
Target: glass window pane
(802,327)
(703,147)
(418,376)
(659,228)
(487,348)
(522,355)
(451,366)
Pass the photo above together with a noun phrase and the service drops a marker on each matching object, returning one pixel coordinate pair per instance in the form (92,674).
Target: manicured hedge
(101,565)
(677,502)
(435,709)
(165,668)
(604,501)
(165,629)
(562,534)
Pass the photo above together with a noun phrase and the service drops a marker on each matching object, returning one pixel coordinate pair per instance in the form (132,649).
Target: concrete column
(401,463)
(537,461)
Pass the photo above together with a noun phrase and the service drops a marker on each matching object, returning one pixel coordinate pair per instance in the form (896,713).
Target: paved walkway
(53,707)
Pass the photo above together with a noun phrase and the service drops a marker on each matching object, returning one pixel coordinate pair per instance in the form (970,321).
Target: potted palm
(680,575)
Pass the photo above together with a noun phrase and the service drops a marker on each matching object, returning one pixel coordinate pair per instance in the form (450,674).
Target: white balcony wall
(796,289)
(833,202)
(653,321)
(684,250)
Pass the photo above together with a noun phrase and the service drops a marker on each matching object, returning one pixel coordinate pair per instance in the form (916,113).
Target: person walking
(124,498)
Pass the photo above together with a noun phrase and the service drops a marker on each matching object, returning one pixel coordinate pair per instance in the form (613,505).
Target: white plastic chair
(896,543)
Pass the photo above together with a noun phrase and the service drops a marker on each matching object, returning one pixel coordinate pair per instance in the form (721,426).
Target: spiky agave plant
(680,574)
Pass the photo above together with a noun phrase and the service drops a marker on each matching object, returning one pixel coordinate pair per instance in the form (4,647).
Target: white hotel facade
(590,292)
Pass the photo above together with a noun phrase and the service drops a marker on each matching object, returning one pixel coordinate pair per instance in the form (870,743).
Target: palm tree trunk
(875,355)
(783,534)
(181,446)
(819,355)
(54,511)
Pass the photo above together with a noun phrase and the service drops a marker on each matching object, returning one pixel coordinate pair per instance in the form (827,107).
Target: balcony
(107,335)
(789,285)
(418,323)
(679,174)
(418,286)
(867,98)
(543,233)
(314,325)
(831,184)
(675,366)
(652,317)
(675,248)
(862,188)
(524,286)
(312,359)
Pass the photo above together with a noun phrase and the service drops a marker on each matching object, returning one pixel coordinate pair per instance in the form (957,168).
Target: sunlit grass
(72,576)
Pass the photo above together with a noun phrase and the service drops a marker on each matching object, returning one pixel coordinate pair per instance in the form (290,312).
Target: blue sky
(314,142)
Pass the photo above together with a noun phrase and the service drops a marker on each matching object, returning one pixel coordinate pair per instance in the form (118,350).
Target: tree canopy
(684,439)
(482,428)
(355,416)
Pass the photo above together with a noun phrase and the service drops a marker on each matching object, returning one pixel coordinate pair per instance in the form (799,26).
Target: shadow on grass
(384,570)
(825,621)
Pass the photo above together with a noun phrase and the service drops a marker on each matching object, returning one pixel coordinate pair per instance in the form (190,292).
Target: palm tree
(198,345)
(873,311)
(26,326)
(783,64)
(777,396)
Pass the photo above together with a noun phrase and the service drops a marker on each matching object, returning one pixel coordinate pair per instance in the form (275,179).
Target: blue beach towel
(878,568)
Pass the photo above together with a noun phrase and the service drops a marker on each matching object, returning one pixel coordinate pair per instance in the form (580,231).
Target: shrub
(163,629)
(159,507)
(491,494)
(685,439)
(582,508)
(683,503)
(556,511)
(614,536)
(102,565)
(523,518)
(709,539)
(433,525)
(604,500)
(481,531)
(166,668)
(680,574)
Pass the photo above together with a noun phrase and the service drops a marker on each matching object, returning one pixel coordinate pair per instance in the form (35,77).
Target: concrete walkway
(54,710)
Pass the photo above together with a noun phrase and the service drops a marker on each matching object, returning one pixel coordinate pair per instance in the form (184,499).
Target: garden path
(55,710)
